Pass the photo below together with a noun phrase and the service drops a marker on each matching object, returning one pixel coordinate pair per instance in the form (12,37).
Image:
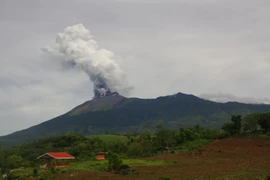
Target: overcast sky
(215,48)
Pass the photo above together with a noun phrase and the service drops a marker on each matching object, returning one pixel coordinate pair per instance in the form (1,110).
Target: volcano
(101,91)
(113,113)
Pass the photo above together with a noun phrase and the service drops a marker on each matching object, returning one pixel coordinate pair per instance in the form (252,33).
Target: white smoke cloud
(223,97)
(76,47)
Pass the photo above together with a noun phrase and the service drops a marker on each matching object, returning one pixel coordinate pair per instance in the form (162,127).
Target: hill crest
(118,114)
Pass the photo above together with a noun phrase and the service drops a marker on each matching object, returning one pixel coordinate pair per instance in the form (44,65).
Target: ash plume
(77,48)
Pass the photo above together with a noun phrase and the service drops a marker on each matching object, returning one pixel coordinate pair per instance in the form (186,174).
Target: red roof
(57,155)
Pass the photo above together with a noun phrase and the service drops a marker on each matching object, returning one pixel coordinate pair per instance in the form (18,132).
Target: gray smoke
(76,47)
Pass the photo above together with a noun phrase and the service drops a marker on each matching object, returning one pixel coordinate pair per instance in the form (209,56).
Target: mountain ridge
(118,114)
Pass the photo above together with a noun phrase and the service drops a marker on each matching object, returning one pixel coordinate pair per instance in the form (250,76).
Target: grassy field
(228,159)
(246,158)
(94,165)
(102,165)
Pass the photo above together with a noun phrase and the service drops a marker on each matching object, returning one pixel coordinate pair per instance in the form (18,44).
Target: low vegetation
(124,151)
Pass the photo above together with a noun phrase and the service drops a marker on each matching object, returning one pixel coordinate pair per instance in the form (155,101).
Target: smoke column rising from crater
(77,48)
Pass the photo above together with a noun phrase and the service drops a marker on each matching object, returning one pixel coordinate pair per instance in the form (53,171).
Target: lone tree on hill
(114,161)
(235,126)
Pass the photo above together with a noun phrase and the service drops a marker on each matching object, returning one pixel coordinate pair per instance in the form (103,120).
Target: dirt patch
(236,158)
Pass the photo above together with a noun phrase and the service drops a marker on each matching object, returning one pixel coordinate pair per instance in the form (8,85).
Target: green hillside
(110,138)
(117,114)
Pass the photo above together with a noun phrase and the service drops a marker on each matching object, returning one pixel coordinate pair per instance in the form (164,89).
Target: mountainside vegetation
(117,114)
(122,148)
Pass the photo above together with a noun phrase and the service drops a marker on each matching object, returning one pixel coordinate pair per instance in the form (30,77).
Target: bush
(223,135)
(126,170)
(48,173)
(35,172)
(114,162)
(164,178)
(14,161)
(102,167)
(196,144)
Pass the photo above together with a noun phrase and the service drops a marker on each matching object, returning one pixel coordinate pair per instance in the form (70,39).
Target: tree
(114,161)
(135,150)
(144,144)
(187,134)
(164,137)
(264,121)
(14,161)
(2,158)
(250,123)
(118,147)
(237,122)
(228,127)
(235,126)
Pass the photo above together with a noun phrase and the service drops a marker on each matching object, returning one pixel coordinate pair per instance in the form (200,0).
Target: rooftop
(56,155)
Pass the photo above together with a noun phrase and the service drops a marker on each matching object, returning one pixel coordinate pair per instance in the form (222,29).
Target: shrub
(14,161)
(126,170)
(103,167)
(114,161)
(164,178)
(223,135)
(35,172)
(53,170)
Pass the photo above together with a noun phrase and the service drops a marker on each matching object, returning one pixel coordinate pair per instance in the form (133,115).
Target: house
(56,159)
(100,156)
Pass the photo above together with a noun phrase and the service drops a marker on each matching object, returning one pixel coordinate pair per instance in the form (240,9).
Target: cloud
(222,97)
(190,46)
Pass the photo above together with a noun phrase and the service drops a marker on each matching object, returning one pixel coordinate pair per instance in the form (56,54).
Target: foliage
(164,178)
(126,170)
(250,123)
(229,128)
(257,122)
(264,121)
(114,161)
(14,161)
(35,172)
(164,137)
(132,114)
(135,145)
(235,126)
(110,138)
(132,145)
(191,145)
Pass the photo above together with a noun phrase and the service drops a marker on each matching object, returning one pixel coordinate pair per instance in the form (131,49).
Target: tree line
(250,124)
(138,145)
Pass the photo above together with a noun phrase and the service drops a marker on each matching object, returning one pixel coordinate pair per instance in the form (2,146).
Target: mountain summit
(115,113)
(99,103)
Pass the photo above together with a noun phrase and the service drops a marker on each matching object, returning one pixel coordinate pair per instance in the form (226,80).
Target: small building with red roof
(56,159)
(100,155)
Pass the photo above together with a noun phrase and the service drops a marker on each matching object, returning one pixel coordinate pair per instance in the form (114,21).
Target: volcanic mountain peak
(118,114)
(102,92)
(109,101)
(101,89)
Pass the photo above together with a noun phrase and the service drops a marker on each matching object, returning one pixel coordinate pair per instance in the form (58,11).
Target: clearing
(245,158)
